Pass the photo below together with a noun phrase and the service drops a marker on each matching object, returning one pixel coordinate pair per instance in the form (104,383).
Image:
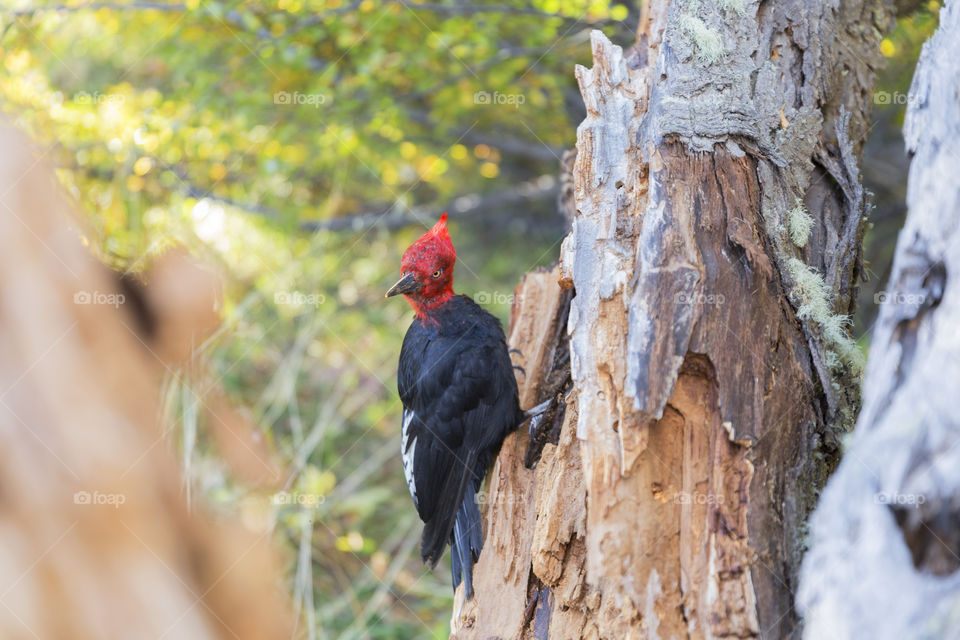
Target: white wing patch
(407,453)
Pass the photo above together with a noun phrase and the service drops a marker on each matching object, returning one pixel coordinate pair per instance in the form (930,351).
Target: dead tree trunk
(886,535)
(697,342)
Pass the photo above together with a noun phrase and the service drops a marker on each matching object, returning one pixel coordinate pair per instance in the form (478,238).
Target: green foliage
(298,109)
(885,164)
(224,126)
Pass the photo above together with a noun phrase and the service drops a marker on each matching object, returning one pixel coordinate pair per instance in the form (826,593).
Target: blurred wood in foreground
(95,537)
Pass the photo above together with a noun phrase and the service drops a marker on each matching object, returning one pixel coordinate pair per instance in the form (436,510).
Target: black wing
(452,399)
(460,400)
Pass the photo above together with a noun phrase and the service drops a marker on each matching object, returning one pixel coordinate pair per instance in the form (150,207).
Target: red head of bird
(427,270)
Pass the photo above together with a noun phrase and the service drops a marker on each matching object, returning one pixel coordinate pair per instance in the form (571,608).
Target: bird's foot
(546,422)
(537,415)
(539,409)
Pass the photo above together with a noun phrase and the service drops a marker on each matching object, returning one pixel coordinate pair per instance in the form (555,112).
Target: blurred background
(301,145)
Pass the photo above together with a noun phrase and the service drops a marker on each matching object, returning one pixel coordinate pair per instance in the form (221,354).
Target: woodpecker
(460,401)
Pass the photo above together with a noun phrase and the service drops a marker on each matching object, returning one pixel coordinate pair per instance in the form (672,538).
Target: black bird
(460,401)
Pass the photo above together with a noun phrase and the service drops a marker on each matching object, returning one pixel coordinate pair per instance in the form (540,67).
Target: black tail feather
(466,544)
(438,531)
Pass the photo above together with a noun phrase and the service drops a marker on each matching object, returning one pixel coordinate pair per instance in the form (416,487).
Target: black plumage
(460,401)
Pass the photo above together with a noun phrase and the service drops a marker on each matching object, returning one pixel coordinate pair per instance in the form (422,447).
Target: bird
(460,401)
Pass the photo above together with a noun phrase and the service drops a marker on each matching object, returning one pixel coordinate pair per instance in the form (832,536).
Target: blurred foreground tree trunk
(886,534)
(96,539)
(697,342)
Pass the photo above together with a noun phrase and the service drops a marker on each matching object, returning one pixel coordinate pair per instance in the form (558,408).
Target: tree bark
(886,534)
(696,345)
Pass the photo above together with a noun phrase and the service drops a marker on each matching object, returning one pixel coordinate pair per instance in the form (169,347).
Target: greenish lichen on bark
(799,225)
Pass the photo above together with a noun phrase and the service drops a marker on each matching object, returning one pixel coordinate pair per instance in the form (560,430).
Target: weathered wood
(885,539)
(714,255)
(95,537)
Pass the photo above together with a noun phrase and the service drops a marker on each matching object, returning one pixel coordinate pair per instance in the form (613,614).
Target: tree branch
(506,144)
(95,6)
(476,9)
(450,10)
(541,188)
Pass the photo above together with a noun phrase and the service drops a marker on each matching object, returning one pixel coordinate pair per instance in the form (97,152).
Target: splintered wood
(95,538)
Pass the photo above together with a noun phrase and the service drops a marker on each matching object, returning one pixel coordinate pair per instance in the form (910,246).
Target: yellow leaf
(272,149)
(887,48)
(619,12)
(489,170)
(294,154)
(142,166)
(218,171)
(317,482)
(389,175)
(17,61)
(431,167)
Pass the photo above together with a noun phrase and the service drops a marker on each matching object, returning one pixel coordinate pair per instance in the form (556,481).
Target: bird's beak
(406,284)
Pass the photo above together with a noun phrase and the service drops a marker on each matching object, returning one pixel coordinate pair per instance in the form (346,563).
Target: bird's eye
(436,274)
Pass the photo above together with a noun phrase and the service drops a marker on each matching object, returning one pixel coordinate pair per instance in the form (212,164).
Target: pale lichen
(739,6)
(708,43)
(812,297)
(799,224)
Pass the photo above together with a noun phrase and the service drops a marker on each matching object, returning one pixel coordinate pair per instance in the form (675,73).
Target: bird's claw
(539,409)
(536,415)
(534,425)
